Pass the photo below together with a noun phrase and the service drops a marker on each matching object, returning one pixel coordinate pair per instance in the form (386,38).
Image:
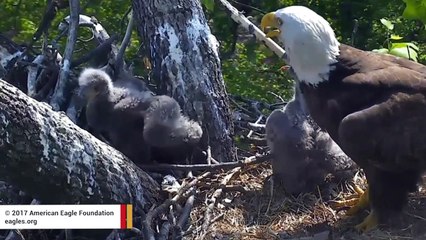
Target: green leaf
(395,37)
(381,50)
(415,9)
(388,24)
(209,4)
(406,50)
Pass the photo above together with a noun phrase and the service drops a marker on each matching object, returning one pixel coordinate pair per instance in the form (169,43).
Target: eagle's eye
(279,21)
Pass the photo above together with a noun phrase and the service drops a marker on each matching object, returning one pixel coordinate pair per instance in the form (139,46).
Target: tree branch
(119,60)
(210,167)
(61,92)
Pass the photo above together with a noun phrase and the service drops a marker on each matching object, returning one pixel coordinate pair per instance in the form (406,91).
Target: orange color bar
(129,216)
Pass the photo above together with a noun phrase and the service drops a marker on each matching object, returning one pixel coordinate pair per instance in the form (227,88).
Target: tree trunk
(185,63)
(44,154)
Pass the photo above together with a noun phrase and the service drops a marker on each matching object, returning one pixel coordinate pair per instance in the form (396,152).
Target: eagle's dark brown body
(374,108)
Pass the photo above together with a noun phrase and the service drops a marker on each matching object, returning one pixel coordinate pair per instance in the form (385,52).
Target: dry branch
(99,50)
(213,200)
(48,16)
(149,231)
(33,71)
(119,61)
(210,167)
(61,90)
(45,155)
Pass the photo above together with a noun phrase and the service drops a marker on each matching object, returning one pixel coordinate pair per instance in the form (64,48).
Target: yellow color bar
(129,216)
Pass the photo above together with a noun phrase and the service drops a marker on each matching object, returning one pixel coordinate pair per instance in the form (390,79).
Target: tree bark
(185,63)
(44,154)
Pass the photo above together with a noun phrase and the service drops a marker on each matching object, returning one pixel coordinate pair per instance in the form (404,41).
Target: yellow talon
(358,190)
(346,203)
(370,222)
(356,204)
(363,202)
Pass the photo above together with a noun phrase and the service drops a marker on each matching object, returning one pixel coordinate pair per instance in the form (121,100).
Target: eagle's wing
(380,70)
(389,134)
(390,131)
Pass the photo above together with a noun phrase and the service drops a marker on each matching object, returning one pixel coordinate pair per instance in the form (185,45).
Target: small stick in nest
(213,200)
(148,231)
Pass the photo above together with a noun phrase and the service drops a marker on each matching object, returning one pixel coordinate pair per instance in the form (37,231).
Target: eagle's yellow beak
(271,21)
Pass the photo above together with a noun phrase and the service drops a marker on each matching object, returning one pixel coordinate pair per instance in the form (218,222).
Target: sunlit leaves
(388,24)
(395,37)
(405,50)
(415,10)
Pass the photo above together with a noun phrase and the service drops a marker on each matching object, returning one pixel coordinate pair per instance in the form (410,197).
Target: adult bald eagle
(372,105)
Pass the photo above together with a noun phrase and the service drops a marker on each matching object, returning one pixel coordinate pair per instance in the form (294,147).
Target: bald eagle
(372,105)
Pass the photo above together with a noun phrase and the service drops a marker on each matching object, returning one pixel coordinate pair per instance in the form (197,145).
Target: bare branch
(33,71)
(213,200)
(48,17)
(100,49)
(60,94)
(119,61)
(149,232)
(210,167)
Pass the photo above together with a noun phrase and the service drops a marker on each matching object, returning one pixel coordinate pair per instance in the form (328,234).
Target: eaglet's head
(308,39)
(93,82)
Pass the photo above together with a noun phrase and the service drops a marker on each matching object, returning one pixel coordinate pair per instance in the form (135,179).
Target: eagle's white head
(308,39)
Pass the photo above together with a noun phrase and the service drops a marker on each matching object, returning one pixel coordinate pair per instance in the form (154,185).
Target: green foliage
(415,10)
(254,76)
(388,24)
(208,4)
(250,69)
(407,50)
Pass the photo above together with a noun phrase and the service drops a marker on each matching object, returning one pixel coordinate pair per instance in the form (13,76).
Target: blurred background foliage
(249,69)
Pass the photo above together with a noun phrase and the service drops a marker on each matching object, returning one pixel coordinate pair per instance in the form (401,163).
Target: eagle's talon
(356,204)
(369,223)
(363,202)
(346,203)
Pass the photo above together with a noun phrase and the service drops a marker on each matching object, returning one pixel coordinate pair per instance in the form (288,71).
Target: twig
(277,96)
(48,17)
(194,167)
(148,231)
(197,229)
(257,122)
(164,231)
(257,126)
(33,71)
(119,60)
(209,155)
(216,194)
(186,211)
(248,6)
(99,50)
(248,112)
(59,98)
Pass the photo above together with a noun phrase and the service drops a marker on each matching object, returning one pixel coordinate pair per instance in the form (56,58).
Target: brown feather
(374,107)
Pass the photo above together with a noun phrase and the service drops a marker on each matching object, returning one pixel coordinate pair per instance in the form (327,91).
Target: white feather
(310,43)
